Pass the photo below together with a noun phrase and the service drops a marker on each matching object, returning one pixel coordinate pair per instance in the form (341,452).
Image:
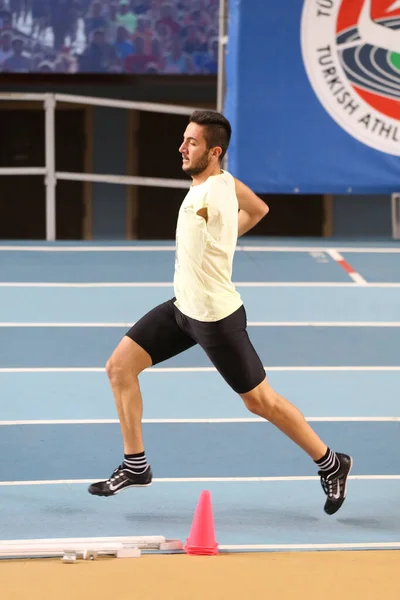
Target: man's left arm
(251,208)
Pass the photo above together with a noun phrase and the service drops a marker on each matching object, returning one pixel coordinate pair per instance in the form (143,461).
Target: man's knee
(114,368)
(261,401)
(128,360)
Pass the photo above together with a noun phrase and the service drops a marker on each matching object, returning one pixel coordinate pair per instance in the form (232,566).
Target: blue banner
(313,95)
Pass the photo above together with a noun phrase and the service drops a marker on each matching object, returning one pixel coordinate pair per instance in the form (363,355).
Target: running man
(207,310)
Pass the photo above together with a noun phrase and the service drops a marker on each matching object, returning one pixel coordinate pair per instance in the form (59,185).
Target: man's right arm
(251,208)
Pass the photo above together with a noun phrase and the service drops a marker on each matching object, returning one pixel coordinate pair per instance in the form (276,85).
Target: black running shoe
(335,485)
(120,480)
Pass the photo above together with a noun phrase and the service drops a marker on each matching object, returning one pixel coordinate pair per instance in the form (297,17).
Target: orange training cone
(201,540)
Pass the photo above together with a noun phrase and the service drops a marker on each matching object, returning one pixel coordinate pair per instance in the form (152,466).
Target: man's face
(195,154)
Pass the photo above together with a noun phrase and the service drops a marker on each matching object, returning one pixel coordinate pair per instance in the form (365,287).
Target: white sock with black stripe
(329,463)
(135,463)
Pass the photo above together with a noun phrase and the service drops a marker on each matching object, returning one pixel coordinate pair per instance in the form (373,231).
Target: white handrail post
(222,40)
(50,178)
(221,75)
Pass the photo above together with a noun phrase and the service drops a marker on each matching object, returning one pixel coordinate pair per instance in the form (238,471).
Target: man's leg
(228,346)
(123,368)
(265,402)
(333,468)
(153,339)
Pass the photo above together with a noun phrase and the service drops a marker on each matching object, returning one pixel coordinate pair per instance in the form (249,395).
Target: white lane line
(54,369)
(193,369)
(336,256)
(180,421)
(324,324)
(87,248)
(136,284)
(358,278)
(202,480)
(239,284)
(249,324)
(172,248)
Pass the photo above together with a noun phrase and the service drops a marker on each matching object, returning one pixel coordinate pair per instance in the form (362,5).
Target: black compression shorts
(165,332)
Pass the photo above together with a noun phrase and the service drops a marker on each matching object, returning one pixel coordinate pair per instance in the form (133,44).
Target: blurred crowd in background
(109,36)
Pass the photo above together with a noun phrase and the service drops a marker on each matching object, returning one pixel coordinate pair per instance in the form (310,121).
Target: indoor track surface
(325,319)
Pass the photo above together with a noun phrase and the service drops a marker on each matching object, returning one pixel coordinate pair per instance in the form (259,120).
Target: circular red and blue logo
(351,52)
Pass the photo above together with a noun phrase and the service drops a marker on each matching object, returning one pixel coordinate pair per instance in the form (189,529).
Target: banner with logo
(313,95)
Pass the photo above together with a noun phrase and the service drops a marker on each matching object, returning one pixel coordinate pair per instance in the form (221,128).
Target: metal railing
(51,176)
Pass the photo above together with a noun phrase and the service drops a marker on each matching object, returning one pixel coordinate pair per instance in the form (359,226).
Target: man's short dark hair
(217,128)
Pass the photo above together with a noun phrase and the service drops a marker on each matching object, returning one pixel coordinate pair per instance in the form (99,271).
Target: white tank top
(204,251)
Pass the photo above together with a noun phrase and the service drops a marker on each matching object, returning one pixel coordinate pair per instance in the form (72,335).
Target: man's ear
(217,151)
